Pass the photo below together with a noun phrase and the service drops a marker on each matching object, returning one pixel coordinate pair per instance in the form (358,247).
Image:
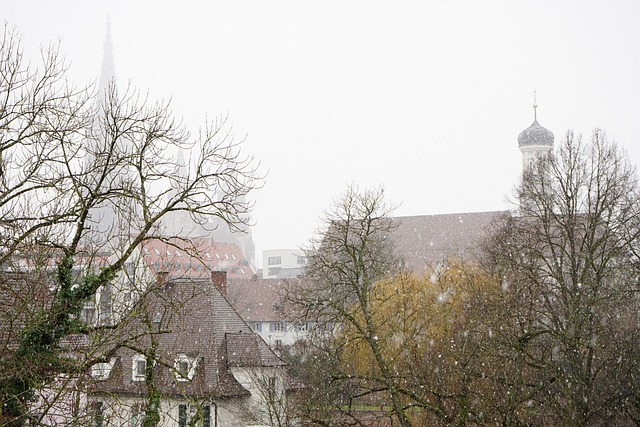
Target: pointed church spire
(108,72)
(105,223)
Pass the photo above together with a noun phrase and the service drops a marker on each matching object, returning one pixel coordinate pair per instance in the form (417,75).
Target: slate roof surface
(23,297)
(259,299)
(197,321)
(247,350)
(424,240)
(421,241)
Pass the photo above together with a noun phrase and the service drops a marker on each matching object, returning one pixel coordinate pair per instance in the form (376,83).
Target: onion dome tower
(535,141)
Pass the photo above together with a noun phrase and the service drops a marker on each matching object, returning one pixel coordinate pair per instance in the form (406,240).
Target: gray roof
(259,300)
(196,320)
(423,241)
(535,135)
(24,297)
(420,241)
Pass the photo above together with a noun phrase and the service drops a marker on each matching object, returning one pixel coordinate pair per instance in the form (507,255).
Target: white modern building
(282,263)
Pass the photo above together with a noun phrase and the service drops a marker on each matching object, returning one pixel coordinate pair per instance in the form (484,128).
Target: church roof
(423,241)
(535,135)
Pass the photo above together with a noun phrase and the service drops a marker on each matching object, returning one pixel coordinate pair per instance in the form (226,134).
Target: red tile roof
(259,299)
(196,258)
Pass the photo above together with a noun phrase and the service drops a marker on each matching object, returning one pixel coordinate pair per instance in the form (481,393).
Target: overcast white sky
(425,97)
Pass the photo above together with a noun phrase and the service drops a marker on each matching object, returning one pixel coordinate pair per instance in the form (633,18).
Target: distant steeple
(535,141)
(104,221)
(108,71)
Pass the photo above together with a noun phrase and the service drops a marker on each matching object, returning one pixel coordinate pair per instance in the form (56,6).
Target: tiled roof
(247,350)
(23,299)
(196,258)
(259,299)
(424,240)
(195,320)
(420,241)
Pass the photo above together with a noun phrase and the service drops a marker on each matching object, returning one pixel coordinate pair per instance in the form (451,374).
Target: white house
(186,346)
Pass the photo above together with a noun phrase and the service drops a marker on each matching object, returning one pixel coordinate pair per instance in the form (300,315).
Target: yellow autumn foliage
(407,316)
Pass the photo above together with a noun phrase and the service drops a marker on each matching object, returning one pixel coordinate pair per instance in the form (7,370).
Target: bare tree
(570,291)
(85,178)
(352,253)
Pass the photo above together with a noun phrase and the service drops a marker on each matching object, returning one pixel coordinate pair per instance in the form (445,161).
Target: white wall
(276,259)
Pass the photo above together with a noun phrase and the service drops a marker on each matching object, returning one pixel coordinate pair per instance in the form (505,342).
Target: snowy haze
(424,97)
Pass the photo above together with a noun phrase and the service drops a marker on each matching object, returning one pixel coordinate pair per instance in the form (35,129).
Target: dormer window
(101,371)
(185,367)
(138,367)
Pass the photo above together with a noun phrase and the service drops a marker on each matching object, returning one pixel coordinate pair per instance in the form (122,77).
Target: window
(141,367)
(105,305)
(137,414)
(301,260)
(88,313)
(138,367)
(274,260)
(257,326)
(186,413)
(206,416)
(302,327)
(97,409)
(278,344)
(329,326)
(182,415)
(277,327)
(101,371)
(185,367)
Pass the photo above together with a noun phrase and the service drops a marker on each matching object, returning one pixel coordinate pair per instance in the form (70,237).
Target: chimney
(219,279)
(161,278)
